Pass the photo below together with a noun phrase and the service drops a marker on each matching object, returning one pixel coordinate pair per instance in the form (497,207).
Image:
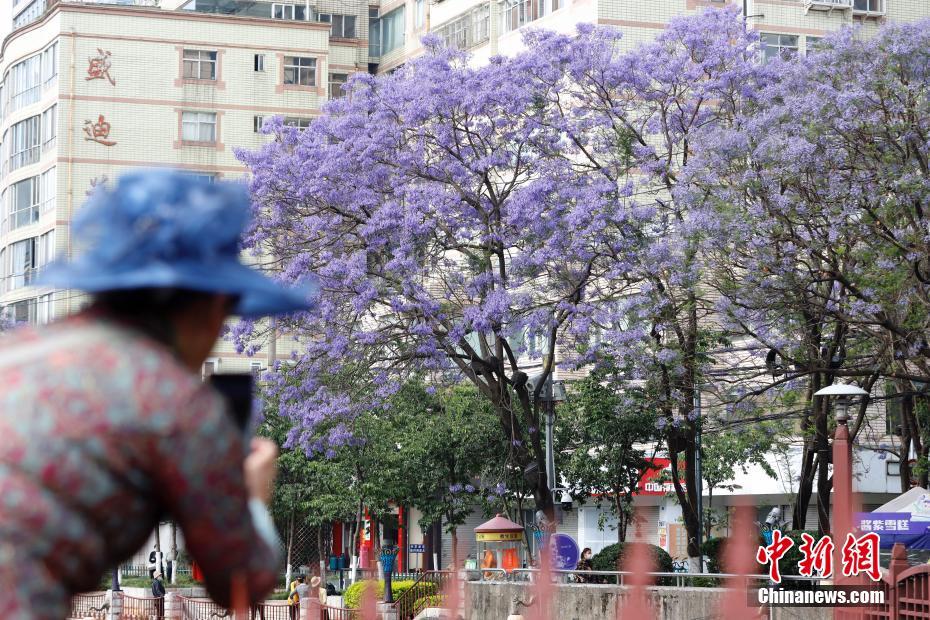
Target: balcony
(829,5)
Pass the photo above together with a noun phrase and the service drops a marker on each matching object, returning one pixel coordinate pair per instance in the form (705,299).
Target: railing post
(116,604)
(897,566)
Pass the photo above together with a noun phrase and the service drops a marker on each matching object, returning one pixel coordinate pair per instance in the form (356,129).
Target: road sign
(564,551)
(417,548)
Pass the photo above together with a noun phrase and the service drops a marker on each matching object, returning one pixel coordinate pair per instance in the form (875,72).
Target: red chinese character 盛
(860,555)
(817,557)
(773,553)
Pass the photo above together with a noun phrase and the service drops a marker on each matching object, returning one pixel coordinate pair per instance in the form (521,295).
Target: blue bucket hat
(168,229)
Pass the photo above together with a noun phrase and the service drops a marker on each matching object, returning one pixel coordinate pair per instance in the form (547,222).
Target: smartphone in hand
(237,389)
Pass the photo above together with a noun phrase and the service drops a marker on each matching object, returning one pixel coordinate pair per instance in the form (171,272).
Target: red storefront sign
(657,480)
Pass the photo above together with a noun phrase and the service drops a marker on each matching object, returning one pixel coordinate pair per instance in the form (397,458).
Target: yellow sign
(498,536)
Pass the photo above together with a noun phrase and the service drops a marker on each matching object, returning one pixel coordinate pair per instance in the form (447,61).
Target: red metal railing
(90,605)
(145,608)
(337,613)
(427,591)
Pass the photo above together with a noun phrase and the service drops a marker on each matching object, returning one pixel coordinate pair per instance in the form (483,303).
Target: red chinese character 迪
(774,552)
(861,556)
(817,557)
(98,132)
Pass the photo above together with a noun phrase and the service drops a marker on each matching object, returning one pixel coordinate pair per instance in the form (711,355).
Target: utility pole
(699,476)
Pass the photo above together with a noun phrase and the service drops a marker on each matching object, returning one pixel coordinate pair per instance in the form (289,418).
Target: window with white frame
(518,13)
(342,26)
(31,13)
(292,12)
(199,65)
(49,128)
(49,189)
(337,83)
(259,62)
(468,30)
(45,311)
(300,71)
(26,142)
(256,369)
(257,123)
(198,127)
(299,123)
(50,65)
(24,82)
(868,6)
(23,263)
(812,44)
(22,311)
(25,202)
(209,177)
(45,249)
(419,14)
(392,30)
(778,45)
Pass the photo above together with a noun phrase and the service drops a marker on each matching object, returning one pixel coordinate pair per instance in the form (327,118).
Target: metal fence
(90,605)
(146,608)
(201,609)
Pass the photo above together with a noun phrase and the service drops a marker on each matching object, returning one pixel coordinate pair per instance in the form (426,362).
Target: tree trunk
(174,552)
(824,484)
(805,487)
(708,526)
(455,548)
(290,547)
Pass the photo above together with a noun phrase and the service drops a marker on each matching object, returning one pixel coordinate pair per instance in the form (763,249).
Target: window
(419,14)
(778,46)
(25,138)
(374,33)
(468,30)
(868,6)
(257,122)
(45,312)
(199,65)
(23,263)
(813,44)
(259,62)
(50,65)
(25,201)
(893,413)
(300,71)
(337,83)
(256,369)
(289,11)
(342,25)
(392,30)
(49,128)
(210,367)
(299,123)
(24,82)
(22,311)
(49,189)
(198,127)
(45,249)
(209,177)
(31,13)
(518,13)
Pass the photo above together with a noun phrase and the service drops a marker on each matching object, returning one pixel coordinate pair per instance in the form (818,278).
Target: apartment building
(90,90)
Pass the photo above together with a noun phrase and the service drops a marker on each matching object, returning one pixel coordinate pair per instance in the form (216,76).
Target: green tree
(603,437)
(723,452)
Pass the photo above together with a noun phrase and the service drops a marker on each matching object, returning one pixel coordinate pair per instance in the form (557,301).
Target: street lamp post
(842,464)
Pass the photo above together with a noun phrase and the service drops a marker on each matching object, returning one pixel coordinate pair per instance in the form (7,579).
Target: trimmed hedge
(352,597)
(611,557)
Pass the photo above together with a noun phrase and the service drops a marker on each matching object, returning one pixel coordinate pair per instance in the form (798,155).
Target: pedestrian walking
(107,426)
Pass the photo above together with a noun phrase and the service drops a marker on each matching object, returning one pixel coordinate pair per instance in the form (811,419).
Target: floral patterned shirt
(102,434)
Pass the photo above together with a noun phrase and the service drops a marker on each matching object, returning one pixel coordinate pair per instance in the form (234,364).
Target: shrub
(433,600)
(611,556)
(714,548)
(352,597)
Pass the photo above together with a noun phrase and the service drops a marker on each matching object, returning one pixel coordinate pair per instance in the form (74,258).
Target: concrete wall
(492,601)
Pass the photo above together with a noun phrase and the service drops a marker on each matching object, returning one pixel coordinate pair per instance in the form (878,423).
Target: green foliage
(713,550)
(433,600)
(612,556)
(601,430)
(352,597)
(788,565)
